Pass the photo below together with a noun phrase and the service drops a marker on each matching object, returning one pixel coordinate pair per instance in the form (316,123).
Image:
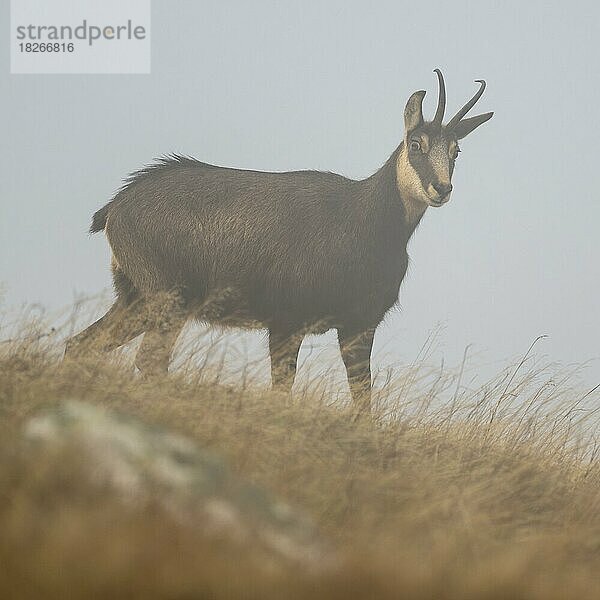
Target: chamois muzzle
(443,189)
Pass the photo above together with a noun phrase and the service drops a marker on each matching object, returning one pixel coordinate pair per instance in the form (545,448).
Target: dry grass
(450,493)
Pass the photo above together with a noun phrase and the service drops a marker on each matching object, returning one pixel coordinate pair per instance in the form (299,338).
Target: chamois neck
(383,192)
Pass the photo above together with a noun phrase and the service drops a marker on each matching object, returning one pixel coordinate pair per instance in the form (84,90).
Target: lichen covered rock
(142,464)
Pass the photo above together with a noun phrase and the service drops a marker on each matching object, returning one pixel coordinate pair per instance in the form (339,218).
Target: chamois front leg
(355,348)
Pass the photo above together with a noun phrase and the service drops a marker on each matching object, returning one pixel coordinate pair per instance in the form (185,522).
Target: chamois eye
(454,153)
(415,146)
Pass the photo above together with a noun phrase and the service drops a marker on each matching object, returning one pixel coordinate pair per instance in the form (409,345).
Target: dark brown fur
(297,252)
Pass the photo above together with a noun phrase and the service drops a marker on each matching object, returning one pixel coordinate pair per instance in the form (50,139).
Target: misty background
(296,85)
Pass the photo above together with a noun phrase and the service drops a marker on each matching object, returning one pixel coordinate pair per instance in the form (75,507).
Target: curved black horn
(441,107)
(468,106)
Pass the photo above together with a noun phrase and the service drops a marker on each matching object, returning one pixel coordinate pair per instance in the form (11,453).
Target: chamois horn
(468,106)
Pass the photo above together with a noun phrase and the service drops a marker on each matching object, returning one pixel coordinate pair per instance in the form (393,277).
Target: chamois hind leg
(123,322)
(154,354)
(283,348)
(109,332)
(356,349)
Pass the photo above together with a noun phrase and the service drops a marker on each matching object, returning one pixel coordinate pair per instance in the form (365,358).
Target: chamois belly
(325,304)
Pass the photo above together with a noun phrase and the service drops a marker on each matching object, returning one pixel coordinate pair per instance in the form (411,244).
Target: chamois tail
(99,219)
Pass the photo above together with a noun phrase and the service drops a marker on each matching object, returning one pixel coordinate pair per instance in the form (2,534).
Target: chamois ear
(465,126)
(413,113)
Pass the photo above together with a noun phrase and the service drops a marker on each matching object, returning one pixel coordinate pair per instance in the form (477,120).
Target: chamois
(293,252)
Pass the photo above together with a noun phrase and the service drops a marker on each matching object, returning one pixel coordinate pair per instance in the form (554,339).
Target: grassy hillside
(487,493)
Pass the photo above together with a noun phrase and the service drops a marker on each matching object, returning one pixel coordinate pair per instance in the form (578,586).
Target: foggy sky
(295,85)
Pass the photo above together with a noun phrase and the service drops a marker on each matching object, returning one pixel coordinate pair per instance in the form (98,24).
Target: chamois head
(430,148)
